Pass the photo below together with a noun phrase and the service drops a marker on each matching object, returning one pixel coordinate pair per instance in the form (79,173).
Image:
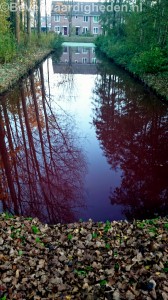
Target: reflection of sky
(77,102)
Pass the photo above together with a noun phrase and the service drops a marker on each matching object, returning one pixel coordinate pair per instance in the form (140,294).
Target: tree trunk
(38,18)
(17,23)
(46,19)
(28,19)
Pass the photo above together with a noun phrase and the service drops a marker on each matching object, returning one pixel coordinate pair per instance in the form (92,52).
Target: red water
(83,141)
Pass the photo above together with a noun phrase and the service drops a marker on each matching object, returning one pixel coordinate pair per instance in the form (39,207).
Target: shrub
(56,41)
(49,40)
(151,61)
(7,47)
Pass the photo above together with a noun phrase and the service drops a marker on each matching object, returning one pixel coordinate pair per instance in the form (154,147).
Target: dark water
(80,140)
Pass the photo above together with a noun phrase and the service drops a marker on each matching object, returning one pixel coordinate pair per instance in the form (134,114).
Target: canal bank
(83,260)
(10,73)
(158,83)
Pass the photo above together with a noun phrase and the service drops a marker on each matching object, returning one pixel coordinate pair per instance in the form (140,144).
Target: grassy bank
(79,39)
(148,69)
(85,260)
(11,72)
(26,59)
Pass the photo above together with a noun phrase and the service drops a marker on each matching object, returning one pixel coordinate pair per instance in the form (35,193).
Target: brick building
(75,18)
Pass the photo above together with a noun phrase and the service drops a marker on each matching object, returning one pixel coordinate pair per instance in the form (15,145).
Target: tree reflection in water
(41,167)
(132,126)
(66,77)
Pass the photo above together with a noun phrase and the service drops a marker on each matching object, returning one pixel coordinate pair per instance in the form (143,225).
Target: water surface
(79,138)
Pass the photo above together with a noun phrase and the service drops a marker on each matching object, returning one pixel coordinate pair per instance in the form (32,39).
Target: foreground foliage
(85,260)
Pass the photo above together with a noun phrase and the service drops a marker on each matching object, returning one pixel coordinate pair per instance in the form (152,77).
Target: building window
(95,30)
(57,18)
(85,19)
(84,60)
(77,50)
(65,50)
(76,17)
(65,17)
(57,29)
(96,19)
(84,50)
(76,61)
(94,60)
(85,29)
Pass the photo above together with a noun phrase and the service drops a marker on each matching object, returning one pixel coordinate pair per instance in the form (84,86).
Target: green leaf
(141,225)
(20,252)
(70,236)
(165,270)
(88,268)
(153,229)
(103,282)
(108,223)
(108,246)
(3,298)
(13,235)
(166,226)
(38,240)
(116,266)
(8,216)
(35,229)
(94,235)
(107,226)
(80,272)
(22,237)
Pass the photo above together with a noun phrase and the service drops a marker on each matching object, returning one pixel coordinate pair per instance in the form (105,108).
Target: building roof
(76,8)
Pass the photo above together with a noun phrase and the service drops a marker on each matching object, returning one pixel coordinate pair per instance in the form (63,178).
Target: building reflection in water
(41,166)
(77,60)
(132,127)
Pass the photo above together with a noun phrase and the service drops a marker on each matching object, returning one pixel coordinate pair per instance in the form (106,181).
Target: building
(76,18)
(45,24)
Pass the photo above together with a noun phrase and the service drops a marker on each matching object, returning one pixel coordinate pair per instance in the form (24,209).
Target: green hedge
(7,48)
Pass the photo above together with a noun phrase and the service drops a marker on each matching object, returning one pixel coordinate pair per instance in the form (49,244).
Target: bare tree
(17,22)
(38,18)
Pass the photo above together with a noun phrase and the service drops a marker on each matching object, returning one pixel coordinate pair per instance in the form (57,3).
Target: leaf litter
(83,260)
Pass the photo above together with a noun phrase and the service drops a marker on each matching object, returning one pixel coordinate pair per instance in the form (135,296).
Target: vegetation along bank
(137,40)
(21,46)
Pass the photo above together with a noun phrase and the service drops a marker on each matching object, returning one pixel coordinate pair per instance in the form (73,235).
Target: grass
(11,72)
(79,39)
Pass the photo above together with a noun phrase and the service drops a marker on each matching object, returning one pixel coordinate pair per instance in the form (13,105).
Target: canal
(80,139)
